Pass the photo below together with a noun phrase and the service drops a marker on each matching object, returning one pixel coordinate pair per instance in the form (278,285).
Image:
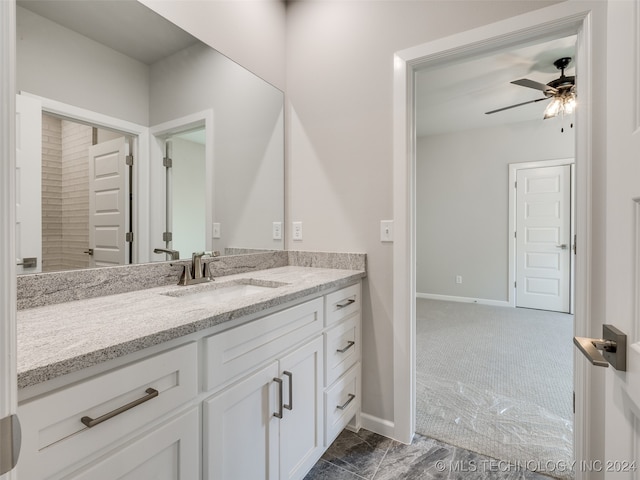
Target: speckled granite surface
(54,340)
(42,289)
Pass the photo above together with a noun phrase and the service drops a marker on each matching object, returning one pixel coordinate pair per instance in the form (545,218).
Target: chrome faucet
(175,254)
(197,272)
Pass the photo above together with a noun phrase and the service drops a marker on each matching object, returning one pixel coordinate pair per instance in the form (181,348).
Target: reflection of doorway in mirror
(65,192)
(188,192)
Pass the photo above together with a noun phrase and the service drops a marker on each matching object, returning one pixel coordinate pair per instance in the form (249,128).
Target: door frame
(8,360)
(140,170)
(564,19)
(513,251)
(157,173)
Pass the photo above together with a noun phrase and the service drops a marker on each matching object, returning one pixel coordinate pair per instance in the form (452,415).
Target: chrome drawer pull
(349,345)
(346,404)
(346,303)
(90,422)
(290,406)
(278,414)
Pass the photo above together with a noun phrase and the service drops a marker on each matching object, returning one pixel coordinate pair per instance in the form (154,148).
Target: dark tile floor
(366,455)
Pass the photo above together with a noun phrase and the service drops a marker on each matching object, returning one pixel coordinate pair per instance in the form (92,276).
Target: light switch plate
(216,230)
(277,230)
(297,230)
(386,230)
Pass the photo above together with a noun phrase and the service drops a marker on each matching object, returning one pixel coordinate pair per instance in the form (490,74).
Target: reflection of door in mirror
(85,195)
(186,191)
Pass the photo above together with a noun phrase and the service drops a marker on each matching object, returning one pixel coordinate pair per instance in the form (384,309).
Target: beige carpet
(497,381)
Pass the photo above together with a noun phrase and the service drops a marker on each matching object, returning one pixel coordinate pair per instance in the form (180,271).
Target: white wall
(462,203)
(339,180)
(250,32)
(57,63)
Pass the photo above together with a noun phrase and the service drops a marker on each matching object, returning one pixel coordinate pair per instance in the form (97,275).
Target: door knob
(563,246)
(89,252)
(613,346)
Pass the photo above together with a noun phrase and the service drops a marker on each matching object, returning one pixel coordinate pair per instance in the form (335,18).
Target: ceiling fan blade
(516,105)
(525,82)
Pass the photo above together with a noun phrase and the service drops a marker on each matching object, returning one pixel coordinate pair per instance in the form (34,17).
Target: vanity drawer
(238,351)
(342,348)
(341,304)
(54,434)
(341,403)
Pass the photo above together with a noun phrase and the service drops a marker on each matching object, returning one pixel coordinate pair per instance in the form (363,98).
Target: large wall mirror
(135,137)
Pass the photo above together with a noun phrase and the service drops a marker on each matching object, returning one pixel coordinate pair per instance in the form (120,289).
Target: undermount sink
(225,291)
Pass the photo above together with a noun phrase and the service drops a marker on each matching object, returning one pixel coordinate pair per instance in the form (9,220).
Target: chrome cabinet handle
(89,252)
(278,414)
(346,404)
(349,345)
(346,303)
(91,422)
(562,246)
(290,405)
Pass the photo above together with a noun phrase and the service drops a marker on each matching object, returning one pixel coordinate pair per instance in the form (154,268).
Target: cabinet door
(168,452)
(301,428)
(240,431)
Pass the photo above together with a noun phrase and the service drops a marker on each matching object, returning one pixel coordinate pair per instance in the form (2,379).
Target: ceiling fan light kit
(561,91)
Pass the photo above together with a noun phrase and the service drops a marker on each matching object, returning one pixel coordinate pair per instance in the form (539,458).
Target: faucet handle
(186,277)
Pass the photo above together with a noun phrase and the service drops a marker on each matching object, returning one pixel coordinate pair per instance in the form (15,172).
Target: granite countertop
(58,339)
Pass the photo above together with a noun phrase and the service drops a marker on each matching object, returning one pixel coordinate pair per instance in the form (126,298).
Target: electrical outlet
(458,279)
(386,230)
(216,230)
(277,230)
(297,230)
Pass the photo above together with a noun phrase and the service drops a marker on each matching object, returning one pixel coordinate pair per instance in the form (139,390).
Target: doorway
(552,22)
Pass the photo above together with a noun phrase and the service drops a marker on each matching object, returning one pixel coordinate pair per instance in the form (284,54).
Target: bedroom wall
(462,195)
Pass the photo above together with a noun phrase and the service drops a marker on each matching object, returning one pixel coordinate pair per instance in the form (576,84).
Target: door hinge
(167,236)
(129,160)
(515,284)
(574,244)
(10,442)
(515,184)
(574,402)
(128,237)
(167,162)
(515,234)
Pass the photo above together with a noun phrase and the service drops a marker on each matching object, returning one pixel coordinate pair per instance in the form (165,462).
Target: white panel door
(301,430)
(543,238)
(241,434)
(28,182)
(107,202)
(620,414)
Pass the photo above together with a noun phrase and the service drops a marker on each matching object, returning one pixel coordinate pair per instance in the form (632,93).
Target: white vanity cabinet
(273,416)
(260,400)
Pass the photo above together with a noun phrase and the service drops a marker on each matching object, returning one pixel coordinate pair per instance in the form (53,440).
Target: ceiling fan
(561,91)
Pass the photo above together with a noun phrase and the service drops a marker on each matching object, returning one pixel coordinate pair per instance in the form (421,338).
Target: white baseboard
(451,298)
(377,425)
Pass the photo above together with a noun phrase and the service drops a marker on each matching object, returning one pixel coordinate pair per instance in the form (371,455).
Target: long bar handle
(346,303)
(346,404)
(290,405)
(278,414)
(91,422)
(350,344)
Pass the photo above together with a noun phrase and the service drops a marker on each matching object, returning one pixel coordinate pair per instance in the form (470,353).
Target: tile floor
(366,455)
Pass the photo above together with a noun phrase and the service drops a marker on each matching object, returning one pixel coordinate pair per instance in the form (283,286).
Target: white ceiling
(454,97)
(126,26)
